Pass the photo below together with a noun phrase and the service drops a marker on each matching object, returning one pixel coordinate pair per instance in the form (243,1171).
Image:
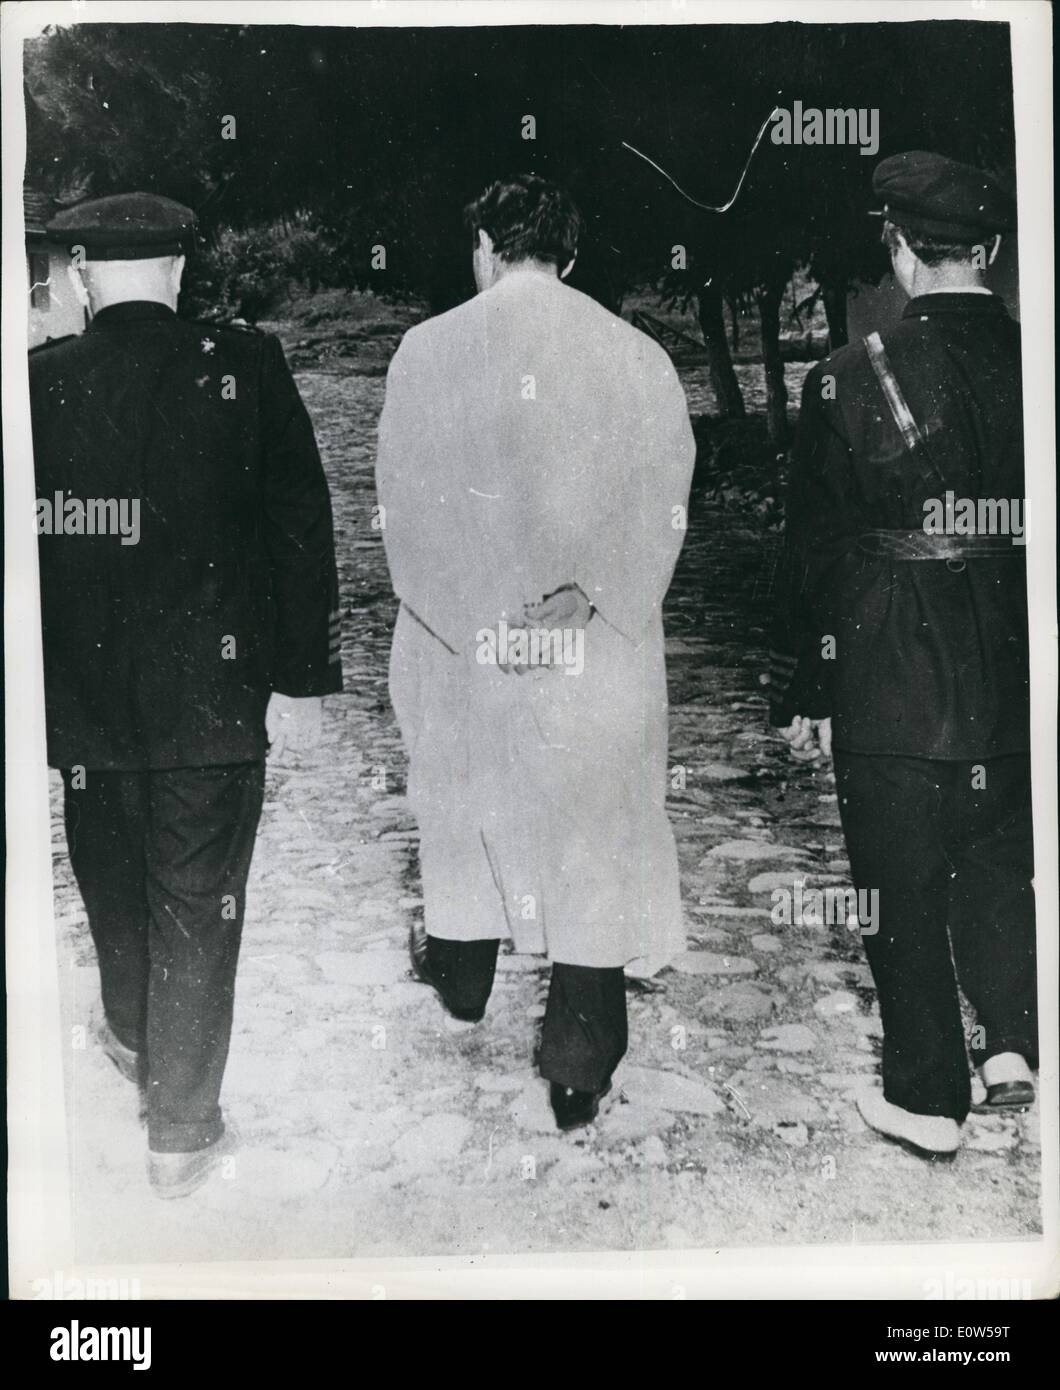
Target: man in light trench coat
(535,456)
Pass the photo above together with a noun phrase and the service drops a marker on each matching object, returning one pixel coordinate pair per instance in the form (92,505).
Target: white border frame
(40,1217)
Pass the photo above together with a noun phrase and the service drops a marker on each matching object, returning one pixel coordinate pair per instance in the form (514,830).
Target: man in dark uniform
(176,652)
(902,639)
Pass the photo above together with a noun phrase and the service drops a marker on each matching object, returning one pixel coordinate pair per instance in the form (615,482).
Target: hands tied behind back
(566,607)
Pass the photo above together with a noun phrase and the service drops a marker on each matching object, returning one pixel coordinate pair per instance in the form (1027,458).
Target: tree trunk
(776,391)
(719,363)
(734,324)
(835,311)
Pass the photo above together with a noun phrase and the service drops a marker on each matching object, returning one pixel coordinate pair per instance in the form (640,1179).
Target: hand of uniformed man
(808,739)
(292,724)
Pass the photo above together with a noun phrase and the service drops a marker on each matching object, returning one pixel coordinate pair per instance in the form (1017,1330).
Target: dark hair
(526,218)
(929,249)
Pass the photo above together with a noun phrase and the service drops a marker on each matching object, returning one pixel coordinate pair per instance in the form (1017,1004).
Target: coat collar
(131,311)
(982,305)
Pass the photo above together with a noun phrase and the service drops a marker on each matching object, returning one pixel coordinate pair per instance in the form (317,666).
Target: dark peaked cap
(941,198)
(125,227)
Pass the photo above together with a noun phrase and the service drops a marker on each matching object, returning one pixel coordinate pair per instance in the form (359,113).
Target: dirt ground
(372,1124)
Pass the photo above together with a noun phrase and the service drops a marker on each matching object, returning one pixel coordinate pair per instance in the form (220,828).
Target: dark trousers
(584,1035)
(161,859)
(952,862)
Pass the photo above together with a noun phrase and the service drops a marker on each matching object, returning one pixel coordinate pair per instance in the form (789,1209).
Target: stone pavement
(373,1124)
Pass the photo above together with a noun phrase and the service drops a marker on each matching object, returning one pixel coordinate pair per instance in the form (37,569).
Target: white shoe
(934,1136)
(1008,1083)
(1005,1067)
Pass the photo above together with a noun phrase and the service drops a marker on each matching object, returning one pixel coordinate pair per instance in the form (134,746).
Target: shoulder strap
(903,416)
(899,407)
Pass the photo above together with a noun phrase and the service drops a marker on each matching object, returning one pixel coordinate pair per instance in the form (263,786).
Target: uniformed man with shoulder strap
(902,641)
(190,622)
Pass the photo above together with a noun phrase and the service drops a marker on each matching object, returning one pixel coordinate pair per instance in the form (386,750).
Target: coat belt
(427,628)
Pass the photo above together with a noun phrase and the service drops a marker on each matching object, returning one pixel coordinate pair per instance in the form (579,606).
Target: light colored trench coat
(529,439)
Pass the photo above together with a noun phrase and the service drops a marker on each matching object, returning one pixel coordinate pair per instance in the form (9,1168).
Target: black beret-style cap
(939,197)
(125,227)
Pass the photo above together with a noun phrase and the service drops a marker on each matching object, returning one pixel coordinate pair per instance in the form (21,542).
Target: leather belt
(923,545)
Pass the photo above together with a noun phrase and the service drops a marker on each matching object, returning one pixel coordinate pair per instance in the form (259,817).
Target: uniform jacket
(930,660)
(530,439)
(163,653)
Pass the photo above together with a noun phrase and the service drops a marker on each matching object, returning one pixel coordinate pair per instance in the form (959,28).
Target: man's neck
(141,295)
(526,267)
(947,279)
(956,289)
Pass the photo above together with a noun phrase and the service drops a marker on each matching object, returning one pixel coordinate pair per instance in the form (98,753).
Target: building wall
(54,311)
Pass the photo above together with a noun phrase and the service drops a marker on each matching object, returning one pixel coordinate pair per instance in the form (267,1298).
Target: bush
(248,272)
(739,469)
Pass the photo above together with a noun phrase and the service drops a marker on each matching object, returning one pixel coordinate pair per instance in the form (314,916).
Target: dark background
(355,137)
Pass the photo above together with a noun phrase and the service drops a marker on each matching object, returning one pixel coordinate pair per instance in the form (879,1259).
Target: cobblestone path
(372,1124)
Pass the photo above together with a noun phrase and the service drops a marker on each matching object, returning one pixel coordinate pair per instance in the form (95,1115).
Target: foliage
(738,469)
(247,272)
(380,135)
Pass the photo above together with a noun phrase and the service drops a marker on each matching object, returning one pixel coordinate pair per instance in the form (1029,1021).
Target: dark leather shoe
(181,1174)
(132,1065)
(644,984)
(572,1108)
(1006,1095)
(422,971)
